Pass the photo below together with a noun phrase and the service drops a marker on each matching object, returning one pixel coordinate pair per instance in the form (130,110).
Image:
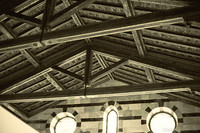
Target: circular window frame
(62,119)
(59,117)
(149,123)
(158,110)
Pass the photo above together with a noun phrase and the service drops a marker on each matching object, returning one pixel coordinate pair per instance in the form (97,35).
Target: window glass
(112,122)
(66,125)
(162,123)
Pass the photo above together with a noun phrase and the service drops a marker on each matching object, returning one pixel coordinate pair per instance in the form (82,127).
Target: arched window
(110,121)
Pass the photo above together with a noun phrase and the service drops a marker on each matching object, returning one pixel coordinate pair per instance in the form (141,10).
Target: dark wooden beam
(169,2)
(88,67)
(48,13)
(128,53)
(29,73)
(79,22)
(152,88)
(27,53)
(173,96)
(105,28)
(70,11)
(78,77)
(109,69)
(25,19)
(7,6)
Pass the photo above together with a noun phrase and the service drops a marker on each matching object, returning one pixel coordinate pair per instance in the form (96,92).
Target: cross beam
(151,88)
(105,28)
(103,47)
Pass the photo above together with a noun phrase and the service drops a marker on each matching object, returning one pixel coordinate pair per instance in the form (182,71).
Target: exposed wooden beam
(105,28)
(148,62)
(56,83)
(70,11)
(181,98)
(168,2)
(29,73)
(76,16)
(30,57)
(79,22)
(137,36)
(7,31)
(109,69)
(88,67)
(43,108)
(23,18)
(152,88)
(27,53)
(78,77)
(103,64)
(48,13)
(7,7)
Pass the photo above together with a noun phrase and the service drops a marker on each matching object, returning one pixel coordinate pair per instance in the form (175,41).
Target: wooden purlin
(151,88)
(103,47)
(105,28)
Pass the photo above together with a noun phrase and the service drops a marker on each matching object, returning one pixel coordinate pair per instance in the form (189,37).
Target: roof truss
(152,88)
(102,29)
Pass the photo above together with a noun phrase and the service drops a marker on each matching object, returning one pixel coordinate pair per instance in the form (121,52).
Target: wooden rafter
(108,70)
(105,28)
(56,83)
(129,11)
(182,98)
(79,22)
(45,67)
(23,18)
(31,57)
(70,11)
(151,88)
(127,53)
(27,53)
(74,75)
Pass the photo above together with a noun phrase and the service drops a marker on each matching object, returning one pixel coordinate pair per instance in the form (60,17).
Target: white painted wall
(11,124)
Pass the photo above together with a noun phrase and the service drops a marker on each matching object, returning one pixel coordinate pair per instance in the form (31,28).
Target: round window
(63,123)
(162,123)
(162,120)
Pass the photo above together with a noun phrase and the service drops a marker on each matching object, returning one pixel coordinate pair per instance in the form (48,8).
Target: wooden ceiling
(69,47)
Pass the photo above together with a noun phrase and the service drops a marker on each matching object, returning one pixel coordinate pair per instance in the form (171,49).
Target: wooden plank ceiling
(68,45)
